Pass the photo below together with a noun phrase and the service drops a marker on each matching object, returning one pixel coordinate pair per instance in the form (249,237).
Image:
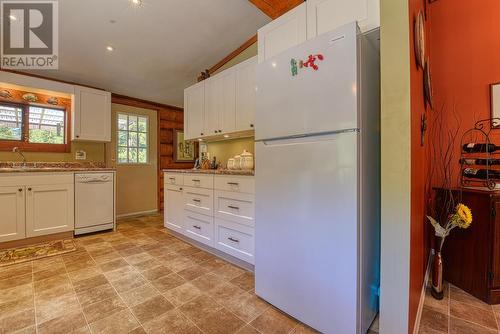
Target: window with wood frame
(32,125)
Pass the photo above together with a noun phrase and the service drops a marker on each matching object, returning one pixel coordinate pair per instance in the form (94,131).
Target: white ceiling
(160,47)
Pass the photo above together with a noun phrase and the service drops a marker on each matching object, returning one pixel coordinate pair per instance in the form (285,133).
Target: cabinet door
(194,111)
(283,33)
(12,225)
(92,115)
(174,208)
(49,209)
(245,94)
(220,103)
(326,15)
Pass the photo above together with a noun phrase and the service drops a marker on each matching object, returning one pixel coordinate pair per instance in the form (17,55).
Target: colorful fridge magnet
(309,63)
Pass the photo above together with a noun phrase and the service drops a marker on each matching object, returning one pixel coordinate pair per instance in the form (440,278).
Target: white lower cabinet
(199,227)
(222,218)
(12,225)
(174,201)
(36,205)
(50,209)
(235,239)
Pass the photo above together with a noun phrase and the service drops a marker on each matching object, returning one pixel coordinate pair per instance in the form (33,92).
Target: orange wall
(418,177)
(465,43)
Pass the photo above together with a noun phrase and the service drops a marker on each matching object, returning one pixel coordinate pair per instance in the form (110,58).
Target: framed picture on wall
(184,151)
(495,101)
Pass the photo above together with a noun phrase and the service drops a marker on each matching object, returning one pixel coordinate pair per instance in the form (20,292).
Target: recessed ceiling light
(13,18)
(199,139)
(226,136)
(110,48)
(274,64)
(137,2)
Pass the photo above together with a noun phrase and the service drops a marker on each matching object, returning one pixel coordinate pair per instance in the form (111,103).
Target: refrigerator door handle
(305,138)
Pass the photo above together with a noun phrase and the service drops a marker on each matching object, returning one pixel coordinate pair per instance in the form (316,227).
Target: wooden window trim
(23,144)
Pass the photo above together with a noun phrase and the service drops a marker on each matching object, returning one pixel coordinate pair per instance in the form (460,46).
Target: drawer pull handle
(233,183)
(196,200)
(196,180)
(172,178)
(233,207)
(233,239)
(197,227)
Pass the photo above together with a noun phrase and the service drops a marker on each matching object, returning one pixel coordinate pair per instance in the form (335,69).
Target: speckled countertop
(212,171)
(48,167)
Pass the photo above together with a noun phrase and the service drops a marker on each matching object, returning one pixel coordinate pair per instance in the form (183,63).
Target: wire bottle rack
(479,134)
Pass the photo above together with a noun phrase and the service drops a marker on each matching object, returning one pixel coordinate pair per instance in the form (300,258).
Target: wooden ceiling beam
(233,54)
(275,8)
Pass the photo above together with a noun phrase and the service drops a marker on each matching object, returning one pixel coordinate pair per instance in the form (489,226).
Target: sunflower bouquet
(461,218)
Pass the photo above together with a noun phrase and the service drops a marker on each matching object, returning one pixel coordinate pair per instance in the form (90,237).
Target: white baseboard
(135,214)
(422,294)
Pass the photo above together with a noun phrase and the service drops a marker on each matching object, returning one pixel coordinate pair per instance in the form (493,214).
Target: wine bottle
(479,148)
(481,174)
(482,162)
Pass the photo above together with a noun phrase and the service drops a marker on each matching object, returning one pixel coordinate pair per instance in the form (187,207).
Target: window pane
(132,123)
(122,122)
(46,126)
(143,124)
(143,155)
(132,139)
(132,155)
(122,138)
(122,155)
(11,119)
(143,140)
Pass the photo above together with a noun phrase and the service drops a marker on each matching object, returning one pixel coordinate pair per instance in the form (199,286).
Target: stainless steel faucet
(18,151)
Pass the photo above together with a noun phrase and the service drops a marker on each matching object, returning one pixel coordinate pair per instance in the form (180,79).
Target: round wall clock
(419,36)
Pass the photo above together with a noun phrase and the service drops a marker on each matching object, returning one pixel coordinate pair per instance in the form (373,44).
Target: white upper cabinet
(245,94)
(194,111)
(91,115)
(283,33)
(326,15)
(220,103)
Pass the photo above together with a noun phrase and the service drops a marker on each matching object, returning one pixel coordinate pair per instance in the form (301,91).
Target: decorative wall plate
(419,36)
(53,100)
(30,97)
(5,94)
(428,94)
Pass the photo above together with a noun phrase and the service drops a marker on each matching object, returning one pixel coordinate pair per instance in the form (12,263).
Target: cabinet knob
(77,136)
(201,134)
(29,189)
(20,190)
(215,131)
(251,125)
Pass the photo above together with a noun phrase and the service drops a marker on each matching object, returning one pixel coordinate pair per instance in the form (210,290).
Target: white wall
(395,243)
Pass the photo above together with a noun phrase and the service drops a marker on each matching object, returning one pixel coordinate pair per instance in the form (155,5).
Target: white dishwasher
(94,202)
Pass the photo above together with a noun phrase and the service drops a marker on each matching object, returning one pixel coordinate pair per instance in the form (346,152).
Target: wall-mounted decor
(5,94)
(419,36)
(184,151)
(428,93)
(30,97)
(495,101)
(53,101)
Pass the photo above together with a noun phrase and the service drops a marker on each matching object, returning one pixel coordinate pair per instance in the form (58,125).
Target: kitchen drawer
(236,207)
(235,239)
(199,181)
(199,200)
(199,227)
(173,179)
(241,184)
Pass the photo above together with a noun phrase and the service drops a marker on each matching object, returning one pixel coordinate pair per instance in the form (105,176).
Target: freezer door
(312,101)
(306,237)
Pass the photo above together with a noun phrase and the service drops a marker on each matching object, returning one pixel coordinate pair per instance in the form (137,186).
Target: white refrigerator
(317,236)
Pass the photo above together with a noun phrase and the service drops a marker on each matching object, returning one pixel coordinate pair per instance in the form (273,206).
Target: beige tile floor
(139,279)
(458,313)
